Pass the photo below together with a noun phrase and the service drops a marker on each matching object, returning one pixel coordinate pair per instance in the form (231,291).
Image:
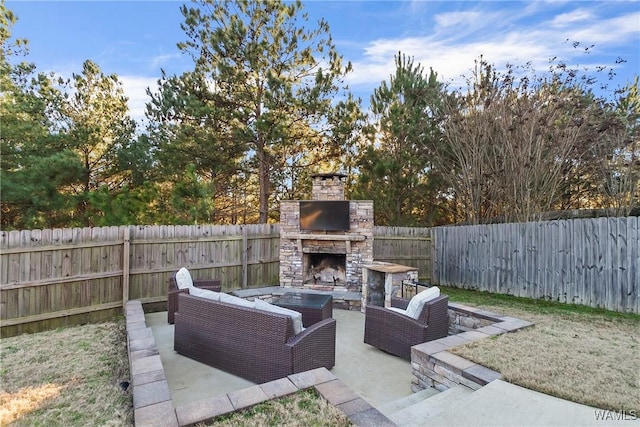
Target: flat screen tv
(324,215)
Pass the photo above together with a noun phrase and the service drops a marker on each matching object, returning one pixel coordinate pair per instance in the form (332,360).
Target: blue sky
(135,39)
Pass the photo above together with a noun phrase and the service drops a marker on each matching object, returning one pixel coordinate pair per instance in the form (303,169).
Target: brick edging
(324,382)
(152,403)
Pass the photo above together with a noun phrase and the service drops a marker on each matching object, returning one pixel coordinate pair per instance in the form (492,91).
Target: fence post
(245,258)
(125,266)
(435,276)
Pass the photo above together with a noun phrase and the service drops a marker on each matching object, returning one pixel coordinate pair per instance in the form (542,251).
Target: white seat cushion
(232,299)
(296,317)
(417,302)
(205,293)
(183,279)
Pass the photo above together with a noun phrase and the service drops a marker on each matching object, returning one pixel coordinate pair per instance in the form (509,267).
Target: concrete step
(418,414)
(404,402)
(507,405)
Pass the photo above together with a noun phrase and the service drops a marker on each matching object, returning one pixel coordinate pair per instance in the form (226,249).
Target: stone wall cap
(329,175)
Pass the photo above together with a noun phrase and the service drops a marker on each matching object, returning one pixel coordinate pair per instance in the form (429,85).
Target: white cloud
(450,61)
(616,30)
(572,17)
(455,19)
(459,38)
(158,61)
(135,88)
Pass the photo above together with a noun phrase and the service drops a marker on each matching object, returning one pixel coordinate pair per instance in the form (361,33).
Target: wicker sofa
(254,344)
(395,332)
(173,292)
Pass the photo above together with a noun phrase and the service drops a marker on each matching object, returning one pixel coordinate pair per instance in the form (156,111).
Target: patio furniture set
(263,341)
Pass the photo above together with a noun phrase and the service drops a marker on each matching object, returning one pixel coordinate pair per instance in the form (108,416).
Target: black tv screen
(324,215)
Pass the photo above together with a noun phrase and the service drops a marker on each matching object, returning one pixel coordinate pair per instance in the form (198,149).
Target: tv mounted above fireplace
(324,215)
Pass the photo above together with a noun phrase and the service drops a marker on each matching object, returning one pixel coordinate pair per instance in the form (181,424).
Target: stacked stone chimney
(328,187)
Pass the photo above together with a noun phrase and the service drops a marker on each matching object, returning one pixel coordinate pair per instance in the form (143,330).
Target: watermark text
(617,415)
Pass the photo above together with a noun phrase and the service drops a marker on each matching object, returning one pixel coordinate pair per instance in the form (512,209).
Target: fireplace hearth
(325,258)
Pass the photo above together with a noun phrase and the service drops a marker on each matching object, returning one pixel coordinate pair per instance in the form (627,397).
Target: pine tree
(258,101)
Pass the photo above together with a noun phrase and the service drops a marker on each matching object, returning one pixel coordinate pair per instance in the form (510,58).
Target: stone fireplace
(326,259)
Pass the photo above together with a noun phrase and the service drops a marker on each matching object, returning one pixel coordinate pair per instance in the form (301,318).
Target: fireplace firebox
(325,269)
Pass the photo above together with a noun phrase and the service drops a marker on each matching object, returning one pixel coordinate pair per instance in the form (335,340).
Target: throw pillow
(296,317)
(417,302)
(183,279)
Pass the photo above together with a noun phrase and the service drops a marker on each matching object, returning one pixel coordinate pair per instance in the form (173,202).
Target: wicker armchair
(173,292)
(396,333)
(254,344)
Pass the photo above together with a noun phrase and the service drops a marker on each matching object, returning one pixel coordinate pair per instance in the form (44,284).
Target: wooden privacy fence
(50,278)
(57,277)
(404,245)
(594,262)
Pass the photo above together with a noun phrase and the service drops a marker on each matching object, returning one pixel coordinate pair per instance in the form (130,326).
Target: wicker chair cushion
(296,317)
(205,293)
(417,302)
(232,299)
(398,310)
(183,279)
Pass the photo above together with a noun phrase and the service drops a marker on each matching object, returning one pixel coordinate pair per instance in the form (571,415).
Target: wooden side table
(381,280)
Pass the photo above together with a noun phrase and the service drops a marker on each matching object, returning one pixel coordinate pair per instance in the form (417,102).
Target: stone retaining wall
(433,366)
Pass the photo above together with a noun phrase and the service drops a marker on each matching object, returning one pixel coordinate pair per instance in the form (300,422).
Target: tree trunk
(263,180)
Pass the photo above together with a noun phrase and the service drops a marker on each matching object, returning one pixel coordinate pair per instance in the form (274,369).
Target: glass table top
(303,299)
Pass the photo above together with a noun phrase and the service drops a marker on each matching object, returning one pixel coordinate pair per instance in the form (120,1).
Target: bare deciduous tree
(514,147)
(619,151)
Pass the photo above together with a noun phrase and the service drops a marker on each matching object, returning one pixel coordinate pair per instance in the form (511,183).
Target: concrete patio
(376,376)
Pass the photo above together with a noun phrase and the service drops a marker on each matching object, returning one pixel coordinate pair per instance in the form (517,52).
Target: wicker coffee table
(314,307)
